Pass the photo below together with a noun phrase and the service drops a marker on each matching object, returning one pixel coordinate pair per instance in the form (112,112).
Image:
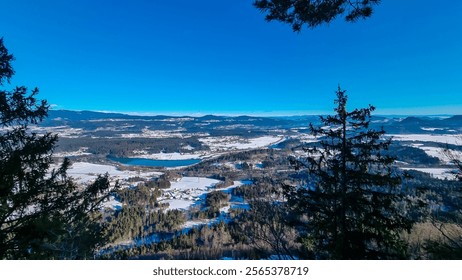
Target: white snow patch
(81,152)
(454,139)
(238,143)
(188,183)
(178,203)
(416,145)
(62,131)
(112,203)
(185,192)
(430,128)
(194,223)
(188,147)
(230,165)
(153,134)
(225,209)
(234,185)
(440,173)
(171,156)
(308,138)
(438,152)
(85,172)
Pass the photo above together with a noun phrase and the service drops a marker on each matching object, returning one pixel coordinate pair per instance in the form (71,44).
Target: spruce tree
(351,205)
(43,214)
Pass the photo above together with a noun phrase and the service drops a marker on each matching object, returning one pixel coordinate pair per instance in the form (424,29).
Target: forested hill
(391,124)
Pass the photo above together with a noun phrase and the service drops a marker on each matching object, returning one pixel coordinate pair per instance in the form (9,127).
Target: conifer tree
(314,12)
(43,214)
(351,206)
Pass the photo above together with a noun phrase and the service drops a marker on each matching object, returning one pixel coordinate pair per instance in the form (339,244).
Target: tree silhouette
(351,204)
(43,214)
(313,13)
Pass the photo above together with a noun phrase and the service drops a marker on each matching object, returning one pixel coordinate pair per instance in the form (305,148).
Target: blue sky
(222,57)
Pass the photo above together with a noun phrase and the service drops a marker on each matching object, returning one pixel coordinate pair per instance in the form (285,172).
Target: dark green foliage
(161,183)
(137,222)
(266,225)
(6,70)
(245,166)
(43,215)
(350,203)
(142,215)
(314,12)
(205,242)
(213,202)
(216,199)
(411,155)
(141,195)
(117,147)
(444,250)
(127,223)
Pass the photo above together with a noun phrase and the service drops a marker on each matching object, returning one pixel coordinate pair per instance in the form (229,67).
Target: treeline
(411,155)
(119,147)
(397,150)
(243,164)
(203,242)
(141,215)
(214,201)
(135,222)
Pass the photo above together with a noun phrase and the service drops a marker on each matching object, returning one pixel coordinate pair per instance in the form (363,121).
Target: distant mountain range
(90,120)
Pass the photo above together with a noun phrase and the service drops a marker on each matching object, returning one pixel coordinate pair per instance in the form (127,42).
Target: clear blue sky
(220,56)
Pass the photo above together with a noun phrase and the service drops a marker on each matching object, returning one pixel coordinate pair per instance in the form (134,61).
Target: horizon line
(253,114)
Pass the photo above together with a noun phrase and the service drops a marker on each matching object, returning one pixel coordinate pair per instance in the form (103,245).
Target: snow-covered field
(430,128)
(153,134)
(186,191)
(229,143)
(85,172)
(62,131)
(308,138)
(178,203)
(440,173)
(234,203)
(81,152)
(112,203)
(182,194)
(217,146)
(188,183)
(454,139)
(438,152)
